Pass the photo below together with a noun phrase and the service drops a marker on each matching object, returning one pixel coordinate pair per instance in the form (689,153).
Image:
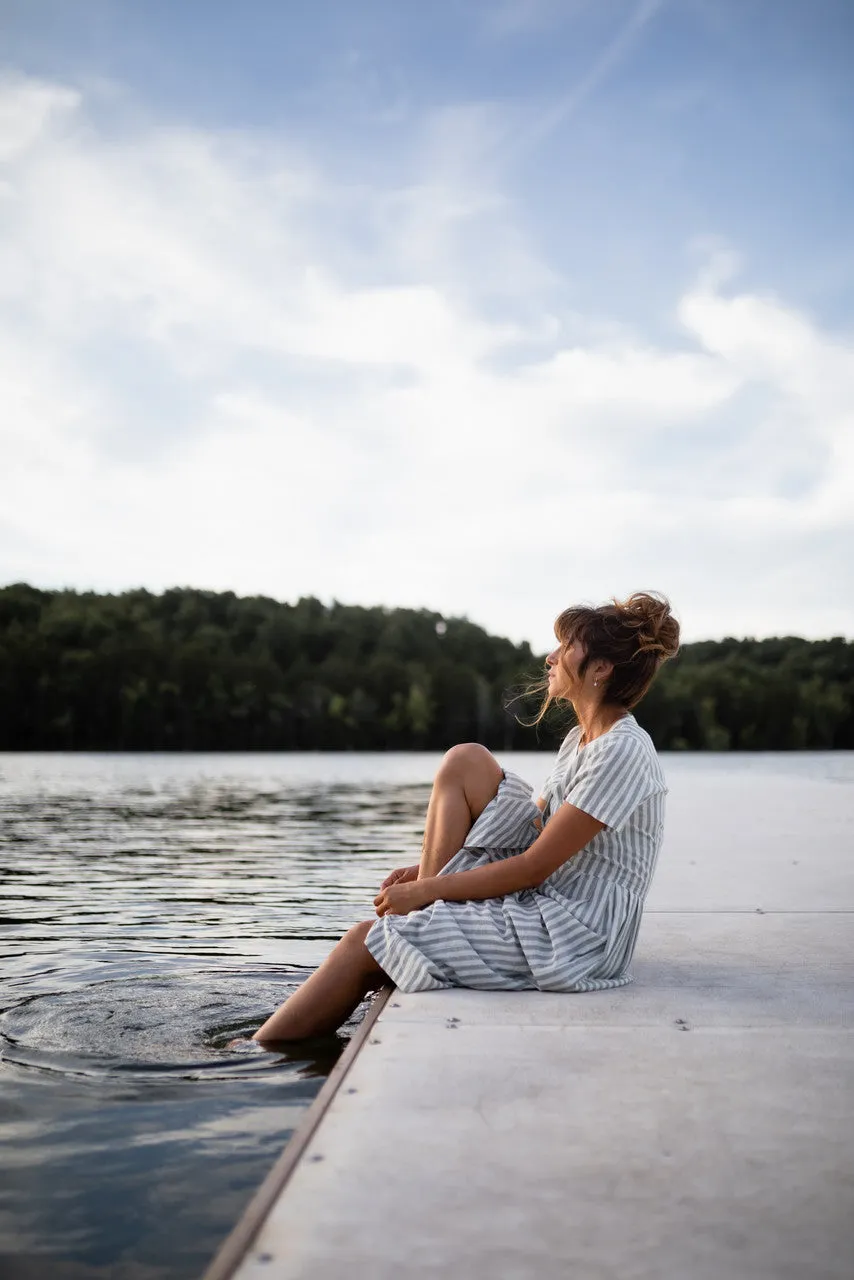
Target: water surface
(153,907)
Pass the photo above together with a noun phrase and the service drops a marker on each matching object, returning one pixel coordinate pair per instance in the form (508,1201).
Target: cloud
(27,109)
(806,426)
(204,381)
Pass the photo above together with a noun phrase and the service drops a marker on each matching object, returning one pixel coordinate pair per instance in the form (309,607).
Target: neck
(596,718)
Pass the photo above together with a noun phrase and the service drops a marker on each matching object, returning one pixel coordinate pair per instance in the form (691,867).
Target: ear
(602,670)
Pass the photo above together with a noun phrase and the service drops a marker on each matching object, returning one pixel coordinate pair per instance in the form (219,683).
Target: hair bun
(648,614)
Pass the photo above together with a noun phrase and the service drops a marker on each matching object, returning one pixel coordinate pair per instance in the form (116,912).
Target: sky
(482,306)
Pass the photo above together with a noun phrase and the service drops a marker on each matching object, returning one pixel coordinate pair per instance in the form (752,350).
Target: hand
(402,875)
(402,897)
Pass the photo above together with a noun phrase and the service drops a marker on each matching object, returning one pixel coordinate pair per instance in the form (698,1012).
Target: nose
(553,657)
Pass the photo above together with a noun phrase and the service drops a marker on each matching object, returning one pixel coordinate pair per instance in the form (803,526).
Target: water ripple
(153,909)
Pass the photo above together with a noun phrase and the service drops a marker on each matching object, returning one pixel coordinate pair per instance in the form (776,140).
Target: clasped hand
(399,897)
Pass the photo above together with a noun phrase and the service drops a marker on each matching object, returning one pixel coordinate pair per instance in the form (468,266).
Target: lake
(155,906)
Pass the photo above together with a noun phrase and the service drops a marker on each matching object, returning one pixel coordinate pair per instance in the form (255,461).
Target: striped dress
(577,930)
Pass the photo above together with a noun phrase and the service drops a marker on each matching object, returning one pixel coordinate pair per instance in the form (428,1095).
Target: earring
(595,684)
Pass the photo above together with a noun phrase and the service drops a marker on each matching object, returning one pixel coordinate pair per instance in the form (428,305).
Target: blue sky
(485,307)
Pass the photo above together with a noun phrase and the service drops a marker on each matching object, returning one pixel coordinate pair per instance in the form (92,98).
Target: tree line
(190,670)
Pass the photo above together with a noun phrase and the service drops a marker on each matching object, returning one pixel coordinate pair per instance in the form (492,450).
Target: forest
(191,670)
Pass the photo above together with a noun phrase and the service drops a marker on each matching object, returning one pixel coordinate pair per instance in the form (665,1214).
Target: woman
(516,895)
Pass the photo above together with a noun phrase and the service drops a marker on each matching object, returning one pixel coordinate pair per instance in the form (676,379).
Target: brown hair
(636,635)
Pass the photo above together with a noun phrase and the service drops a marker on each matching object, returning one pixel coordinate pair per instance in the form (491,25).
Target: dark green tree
(199,670)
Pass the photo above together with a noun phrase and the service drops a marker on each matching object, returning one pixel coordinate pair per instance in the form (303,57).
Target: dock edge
(239,1240)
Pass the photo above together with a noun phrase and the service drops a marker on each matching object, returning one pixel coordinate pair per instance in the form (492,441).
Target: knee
(354,944)
(465,759)
(355,936)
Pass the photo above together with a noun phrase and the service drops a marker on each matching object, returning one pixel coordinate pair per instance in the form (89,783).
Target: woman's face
(563,663)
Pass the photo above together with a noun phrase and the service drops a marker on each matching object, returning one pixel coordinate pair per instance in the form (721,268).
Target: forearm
(568,831)
(492,881)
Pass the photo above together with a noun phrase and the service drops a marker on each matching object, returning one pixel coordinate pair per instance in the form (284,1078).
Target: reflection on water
(153,907)
(132,1138)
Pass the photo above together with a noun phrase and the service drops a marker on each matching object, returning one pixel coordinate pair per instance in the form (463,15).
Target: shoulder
(630,732)
(626,741)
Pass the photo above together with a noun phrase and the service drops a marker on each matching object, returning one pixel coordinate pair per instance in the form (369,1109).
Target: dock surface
(695,1124)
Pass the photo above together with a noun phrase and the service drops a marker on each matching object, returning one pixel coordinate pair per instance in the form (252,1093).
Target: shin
(330,995)
(467,780)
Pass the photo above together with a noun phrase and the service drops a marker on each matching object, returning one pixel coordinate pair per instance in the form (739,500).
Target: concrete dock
(695,1124)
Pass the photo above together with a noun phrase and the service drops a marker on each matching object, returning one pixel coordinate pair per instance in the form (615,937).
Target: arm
(566,834)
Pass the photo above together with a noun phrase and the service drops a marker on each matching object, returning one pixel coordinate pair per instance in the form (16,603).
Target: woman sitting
(512,894)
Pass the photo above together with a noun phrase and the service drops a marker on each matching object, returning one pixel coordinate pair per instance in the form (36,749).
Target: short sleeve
(616,773)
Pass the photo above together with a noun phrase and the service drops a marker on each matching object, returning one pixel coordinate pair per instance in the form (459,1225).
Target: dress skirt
(574,932)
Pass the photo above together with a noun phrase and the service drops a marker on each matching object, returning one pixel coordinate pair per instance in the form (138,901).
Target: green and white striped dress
(577,930)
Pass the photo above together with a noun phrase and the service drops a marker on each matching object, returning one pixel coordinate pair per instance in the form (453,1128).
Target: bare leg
(330,995)
(467,780)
